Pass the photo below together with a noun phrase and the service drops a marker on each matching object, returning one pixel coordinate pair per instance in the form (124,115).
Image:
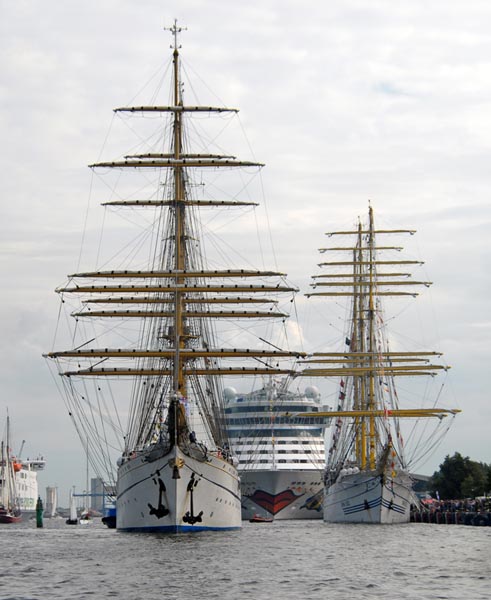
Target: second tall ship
(368,476)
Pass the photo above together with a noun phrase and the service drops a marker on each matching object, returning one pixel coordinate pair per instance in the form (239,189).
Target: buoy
(39,512)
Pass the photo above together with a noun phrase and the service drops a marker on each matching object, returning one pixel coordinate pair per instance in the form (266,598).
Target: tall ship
(367,477)
(10,511)
(18,480)
(281,459)
(159,326)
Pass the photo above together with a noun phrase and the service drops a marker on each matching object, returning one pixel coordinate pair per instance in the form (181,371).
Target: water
(276,561)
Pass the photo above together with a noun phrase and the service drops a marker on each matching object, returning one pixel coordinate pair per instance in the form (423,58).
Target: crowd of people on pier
(475,505)
(469,511)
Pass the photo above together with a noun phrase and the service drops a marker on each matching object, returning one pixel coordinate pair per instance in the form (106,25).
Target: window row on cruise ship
(268,451)
(309,442)
(267,421)
(271,408)
(284,460)
(251,433)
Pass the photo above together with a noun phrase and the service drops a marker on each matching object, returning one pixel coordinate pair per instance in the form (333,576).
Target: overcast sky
(344,101)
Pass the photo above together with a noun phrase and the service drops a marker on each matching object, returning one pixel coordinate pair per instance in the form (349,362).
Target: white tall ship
(281,459)
(164,307)
(367,475)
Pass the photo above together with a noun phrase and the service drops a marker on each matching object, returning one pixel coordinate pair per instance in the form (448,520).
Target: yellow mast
(371,318)
(177,292)
(439,413)
(366,361)
(179,217)
(359,382)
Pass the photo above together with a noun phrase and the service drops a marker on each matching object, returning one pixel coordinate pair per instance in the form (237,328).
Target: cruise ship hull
(368,498)
(177,492)
(288,494)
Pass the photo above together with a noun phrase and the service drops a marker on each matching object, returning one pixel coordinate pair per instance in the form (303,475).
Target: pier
(458,517)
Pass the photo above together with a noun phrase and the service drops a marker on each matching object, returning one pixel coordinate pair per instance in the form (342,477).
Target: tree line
(461,477)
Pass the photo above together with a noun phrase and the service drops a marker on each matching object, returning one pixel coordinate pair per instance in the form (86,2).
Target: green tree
(475,483)
(461,477)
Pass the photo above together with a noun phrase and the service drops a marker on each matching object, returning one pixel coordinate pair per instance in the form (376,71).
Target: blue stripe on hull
(373,504)
(393,506)
(349,510)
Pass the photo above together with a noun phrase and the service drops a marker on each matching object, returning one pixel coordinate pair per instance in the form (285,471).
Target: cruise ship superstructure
(281,458)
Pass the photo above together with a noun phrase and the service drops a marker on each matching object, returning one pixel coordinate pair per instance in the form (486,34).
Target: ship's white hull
(367,497)
(292,494)
(177,492)
(28,496)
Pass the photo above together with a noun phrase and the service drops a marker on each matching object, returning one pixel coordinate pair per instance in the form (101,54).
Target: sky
(345,101)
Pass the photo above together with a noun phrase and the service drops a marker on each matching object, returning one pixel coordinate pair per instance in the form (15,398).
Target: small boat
(367,475)
(109,518)
(10,511)
(10,515)
(260,519)
(85,518)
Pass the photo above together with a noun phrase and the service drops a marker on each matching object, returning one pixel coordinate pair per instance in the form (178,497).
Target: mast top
(175,30)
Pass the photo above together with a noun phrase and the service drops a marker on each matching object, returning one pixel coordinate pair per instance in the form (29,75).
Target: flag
(187,408)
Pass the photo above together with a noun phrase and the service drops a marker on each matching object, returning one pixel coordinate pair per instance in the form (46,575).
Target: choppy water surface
(281,560)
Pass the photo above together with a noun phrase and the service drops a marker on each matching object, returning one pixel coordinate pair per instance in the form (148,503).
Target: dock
(458,517)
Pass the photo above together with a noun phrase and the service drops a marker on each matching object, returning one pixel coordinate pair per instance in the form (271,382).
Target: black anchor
(161,510)
(190,517)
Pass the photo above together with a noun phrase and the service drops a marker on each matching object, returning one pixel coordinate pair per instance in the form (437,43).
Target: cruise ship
(281,458)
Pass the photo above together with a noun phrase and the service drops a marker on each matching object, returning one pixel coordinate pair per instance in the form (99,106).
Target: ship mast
(371,342)
(359,341)
(179,222)
(368,361)
(177,299)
